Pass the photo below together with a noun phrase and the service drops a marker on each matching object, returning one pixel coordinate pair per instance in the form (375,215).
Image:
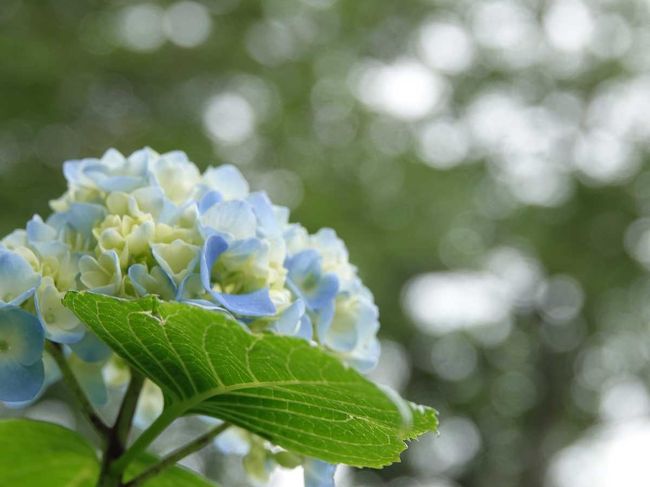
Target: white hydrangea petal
(177,259)
(102,275)
(235,219)
(227,180)
(175,174)
(60,324)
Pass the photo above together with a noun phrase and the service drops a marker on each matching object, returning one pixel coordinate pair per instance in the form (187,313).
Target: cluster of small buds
(153,224)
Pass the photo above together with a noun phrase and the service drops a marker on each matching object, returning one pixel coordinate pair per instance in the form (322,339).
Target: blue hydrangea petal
(72,172)
(91,379)
(141,159)
(155,281)
(213,247)
(208,200)
(263,208)
(205,304)
(59,335)
(18,281)
(257,303)
(306,328)
(44,238)
(326,292)
(24,335)
(366,356)
(317,288)
(20,382)
(323,319)
(52,375)
(341,335)
(342,340)
(91,348)
(21,298)
(110,173)
(81,217)
(114,183)
(355,321)
(367,319)
(318,473)
(289,321)
(190,288)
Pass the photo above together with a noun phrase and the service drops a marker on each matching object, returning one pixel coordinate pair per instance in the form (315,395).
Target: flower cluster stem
(98,424)
(116,456)
(118,435)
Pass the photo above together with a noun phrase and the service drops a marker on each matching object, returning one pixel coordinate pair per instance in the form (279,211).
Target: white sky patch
(443,144)
(406,89)
(569,25)
(442,302)
(509,29)
(626,398)
(187,24)
(560,299)
(446,46)
(229,118)
(604,158)
(139,27)
(614,455)
(284,477)
(394,367)
(459,441)
(525,146)
(637,240)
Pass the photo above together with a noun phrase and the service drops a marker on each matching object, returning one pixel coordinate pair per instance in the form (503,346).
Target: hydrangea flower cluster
(153,224)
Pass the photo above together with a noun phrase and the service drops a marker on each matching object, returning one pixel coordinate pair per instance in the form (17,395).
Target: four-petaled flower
(21,354)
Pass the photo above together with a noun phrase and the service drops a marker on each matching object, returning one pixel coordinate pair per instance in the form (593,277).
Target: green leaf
(284,389)
(34,453)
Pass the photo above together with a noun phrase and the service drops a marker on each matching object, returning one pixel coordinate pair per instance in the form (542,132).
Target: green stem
(110,477)
(146,438)
(176,455)
(68,376)
(124,419)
